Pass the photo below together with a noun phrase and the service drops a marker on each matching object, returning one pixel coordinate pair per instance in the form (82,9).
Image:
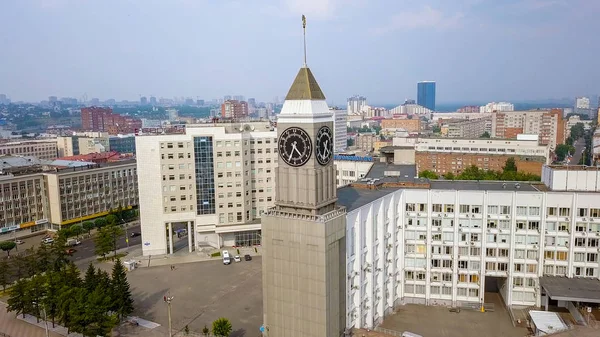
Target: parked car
(70,251)
(72,242)
(247,257)
(134,234)
(226,258)
(48,241)
(19,242)
(237,258)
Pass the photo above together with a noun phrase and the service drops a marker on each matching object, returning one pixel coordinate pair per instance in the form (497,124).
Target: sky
(476,50)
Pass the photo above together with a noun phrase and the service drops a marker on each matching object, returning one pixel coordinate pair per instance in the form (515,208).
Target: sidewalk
(186,257)
(15,327)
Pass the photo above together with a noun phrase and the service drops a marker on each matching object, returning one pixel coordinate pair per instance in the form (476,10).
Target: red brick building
(234,109)
(104,120)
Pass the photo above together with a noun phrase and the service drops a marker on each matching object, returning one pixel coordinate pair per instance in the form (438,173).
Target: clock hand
(292,152)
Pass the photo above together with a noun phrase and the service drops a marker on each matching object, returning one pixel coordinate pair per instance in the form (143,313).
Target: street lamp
(168,300)
(126,234)
(45,317)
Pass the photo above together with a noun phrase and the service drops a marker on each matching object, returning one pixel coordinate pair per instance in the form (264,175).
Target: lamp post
(168,300)
(45,318)
(126,234)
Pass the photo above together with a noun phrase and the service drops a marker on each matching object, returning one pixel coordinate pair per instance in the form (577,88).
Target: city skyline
(129,54)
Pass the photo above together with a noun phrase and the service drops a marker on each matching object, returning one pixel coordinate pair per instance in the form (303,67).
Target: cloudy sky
(476,50)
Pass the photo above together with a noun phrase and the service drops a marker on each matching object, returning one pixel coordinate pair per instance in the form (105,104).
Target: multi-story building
(440,117)
(103,119)
(410,125)
(217,179)
(340,130)
(582,103)
(81,193)
(426,94)
(411,109)
(75,145)
(468,109)
(468,128)
(366,141)
(122,143)
(497,107)
(42,149)
(356,104)
(548,124)
(351,168)
(454,242)
(444,155)
(234,109)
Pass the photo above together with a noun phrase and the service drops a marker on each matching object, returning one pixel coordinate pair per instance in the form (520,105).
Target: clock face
(295,146)
(324,145)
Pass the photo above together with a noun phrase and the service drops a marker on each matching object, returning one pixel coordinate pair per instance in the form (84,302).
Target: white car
(48,241)
(237,258)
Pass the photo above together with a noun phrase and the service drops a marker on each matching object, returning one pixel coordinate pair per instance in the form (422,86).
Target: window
(492,209)
(582,212)
(449,208)
(521,210)
(436,207)
(534,211)
(564,211)
(551,211)
(464,209)
(410,207)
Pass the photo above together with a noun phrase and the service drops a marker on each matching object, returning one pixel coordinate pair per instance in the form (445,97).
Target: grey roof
(9,161)
(353,198)
(406,172)
(474,185)
(571,289)
(70,163)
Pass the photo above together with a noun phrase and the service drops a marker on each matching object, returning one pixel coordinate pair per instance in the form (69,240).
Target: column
(189,230)
(170,238)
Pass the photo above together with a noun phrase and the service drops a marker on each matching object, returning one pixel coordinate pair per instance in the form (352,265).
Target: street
(579,145)
(87,248)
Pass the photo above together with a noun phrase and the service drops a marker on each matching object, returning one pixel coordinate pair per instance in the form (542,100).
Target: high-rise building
(234,109)
(426,94)
(304,244)
(356,104)
(497,107)
(217,180)
(251,102)
(152,100)
(582,103)
(227,98)
(103,119)
(3,99)
(143,100)
(340,130)
(548,124)
(238,98)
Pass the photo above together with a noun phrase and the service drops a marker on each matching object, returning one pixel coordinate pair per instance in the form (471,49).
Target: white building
(340,130)
(215,180)
(351,168)
(438,242)
(356,104)
(458,115)
(411,109)
(582,103)
(497,106)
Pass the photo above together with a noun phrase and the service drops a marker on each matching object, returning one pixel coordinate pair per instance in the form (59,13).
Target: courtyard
(203,292)
(438,321)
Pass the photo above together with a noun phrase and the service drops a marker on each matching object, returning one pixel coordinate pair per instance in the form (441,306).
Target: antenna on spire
(304,31)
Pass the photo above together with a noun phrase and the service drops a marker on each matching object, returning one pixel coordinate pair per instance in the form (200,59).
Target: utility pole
(168,300)
(45,318)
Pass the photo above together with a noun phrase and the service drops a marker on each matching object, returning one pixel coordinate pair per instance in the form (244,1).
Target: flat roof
(406,172)
(571,289)
(547,322)
(353,198)
(482,185)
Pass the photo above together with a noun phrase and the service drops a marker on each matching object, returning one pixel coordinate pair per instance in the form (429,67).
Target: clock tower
(303,236)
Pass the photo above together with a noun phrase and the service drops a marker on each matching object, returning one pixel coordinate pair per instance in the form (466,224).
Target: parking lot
(203,292)
(438,321)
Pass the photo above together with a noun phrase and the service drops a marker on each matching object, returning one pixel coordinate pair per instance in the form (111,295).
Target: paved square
(438,321)
(203,292)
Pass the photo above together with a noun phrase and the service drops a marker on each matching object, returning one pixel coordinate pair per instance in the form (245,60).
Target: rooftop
(305,87)
(571,289)
(574,167)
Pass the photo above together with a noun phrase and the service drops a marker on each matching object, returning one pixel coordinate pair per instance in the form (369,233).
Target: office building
(4,99)
(103,119)
(42,149)
(80,144)
(468,109)
(217,180)
(411,109)
(356,104)
(444,155)
(340,130)
(497,107)
(582,103)
(548,124)
(426,94)
(152,100)
(239,98)
(122,144)
(234,109)
(457,242)
(351,168)
(410,125)
(468,128)
(304,246)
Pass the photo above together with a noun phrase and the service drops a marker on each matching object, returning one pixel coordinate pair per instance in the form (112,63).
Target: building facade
(234,109)
(426,94)
(103,119)
(356,104)
(42,149)
(548,124)
(340,130)
(351,168)
(497,107)
(444,155)
(216,179)
(410,125)
(366,141)
(468,128)
(122,143)
(446,244)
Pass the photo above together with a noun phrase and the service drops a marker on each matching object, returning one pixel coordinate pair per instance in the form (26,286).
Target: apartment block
(22,205)
(234,109)
(366,141)
(76,145)
(410,125)
(443,155)
(548,124)
(103,119)
(449,243)
(349,169)
(42,149)
(216,179)
(340,130)
(468,128)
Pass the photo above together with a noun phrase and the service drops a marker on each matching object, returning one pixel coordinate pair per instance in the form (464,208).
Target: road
(87,248)
(579,145)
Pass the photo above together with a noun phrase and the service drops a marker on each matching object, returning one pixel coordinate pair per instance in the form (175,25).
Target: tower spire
(304,33)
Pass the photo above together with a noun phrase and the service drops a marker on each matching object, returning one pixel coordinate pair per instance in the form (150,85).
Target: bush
(216,254)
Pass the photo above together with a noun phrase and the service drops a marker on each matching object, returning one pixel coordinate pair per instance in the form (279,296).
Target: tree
(221,327)
(103,242)
(436,129)
(114,232)
(562,150)
(19,297)
(510,165)
(449,176)
(90,280)
(7,246)
(485,135)
(122,301)
(112,220)
(577,131)
(77,230)
(428,174)
(88,226)
(100,222)
(205,330)
(350,142)
(4,273)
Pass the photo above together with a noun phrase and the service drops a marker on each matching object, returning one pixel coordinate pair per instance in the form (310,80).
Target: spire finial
(304,32)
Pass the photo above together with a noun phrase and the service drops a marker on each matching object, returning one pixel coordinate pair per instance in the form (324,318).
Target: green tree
(205,330)
(509,165)
(485,135)
(114,232)
(221,327)
(51,300)
(577,131)
(77,230)
(350,142)
(66,301)
(88,226)
(122,301)
(5,273)
(7,246)
(449,176)
(436,129)
(562,150)
(112,220)
(103,242)
(100,222)
(428,174)
(90,280)
(18,299)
